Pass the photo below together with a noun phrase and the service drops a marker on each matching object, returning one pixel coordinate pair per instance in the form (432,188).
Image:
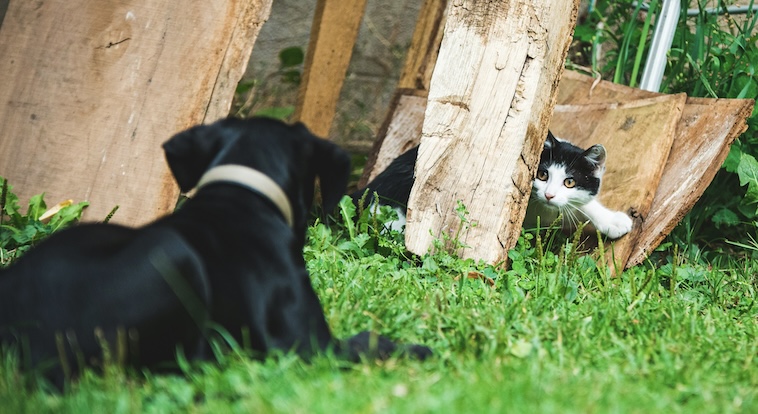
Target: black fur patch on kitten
(394,183)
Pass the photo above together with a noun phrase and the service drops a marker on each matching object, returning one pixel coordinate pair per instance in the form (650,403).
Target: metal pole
(663,36)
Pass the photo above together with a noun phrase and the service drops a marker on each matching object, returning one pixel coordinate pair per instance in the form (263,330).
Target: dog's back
(95,290)
(232,255)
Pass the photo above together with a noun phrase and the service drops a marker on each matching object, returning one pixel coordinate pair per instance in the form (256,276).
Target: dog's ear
(332,165)
(189,153)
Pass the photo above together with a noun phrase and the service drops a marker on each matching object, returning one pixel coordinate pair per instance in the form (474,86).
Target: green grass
(554,334)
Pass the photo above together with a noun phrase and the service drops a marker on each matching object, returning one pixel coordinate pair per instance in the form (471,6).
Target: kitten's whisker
(572,217)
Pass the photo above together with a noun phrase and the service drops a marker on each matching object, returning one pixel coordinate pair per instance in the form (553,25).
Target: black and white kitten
(567,183)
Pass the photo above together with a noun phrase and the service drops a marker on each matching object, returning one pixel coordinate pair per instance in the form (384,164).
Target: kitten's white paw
(616,225)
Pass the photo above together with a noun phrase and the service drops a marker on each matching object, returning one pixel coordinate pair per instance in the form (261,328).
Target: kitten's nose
(549,196)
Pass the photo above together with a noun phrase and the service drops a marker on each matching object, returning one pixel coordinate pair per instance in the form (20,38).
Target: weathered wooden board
(425,44)
(701,143)
(92,89)
(333,34)
(704,135)
(489,105)
(578,89)
(637,136)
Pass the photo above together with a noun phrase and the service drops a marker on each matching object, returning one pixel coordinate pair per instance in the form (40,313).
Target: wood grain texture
(637,136)
(703,137)
(400,132)
(701,143)
(489,105)
(92,89)
(425,45)
(333,35)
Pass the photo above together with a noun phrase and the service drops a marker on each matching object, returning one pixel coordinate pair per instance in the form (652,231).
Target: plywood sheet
(637,136)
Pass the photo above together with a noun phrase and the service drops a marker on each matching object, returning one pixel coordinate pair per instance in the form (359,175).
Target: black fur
(394,183)
(226,257)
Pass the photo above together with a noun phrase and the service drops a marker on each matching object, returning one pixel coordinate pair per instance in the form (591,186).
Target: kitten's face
(567,176)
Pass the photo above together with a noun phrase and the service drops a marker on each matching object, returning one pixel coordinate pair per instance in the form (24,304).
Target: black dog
(230,256)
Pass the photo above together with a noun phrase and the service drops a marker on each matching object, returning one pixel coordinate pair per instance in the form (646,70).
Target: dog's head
(288,154)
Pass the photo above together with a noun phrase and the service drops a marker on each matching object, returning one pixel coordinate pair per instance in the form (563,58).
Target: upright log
(490,100)
(90,90)
(333,34)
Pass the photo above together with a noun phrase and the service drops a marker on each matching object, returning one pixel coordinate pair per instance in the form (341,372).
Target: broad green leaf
(67,215)
(747,170)
(430,264)
(291,56)
(732,161)
(749,203)
(347,211)
(245,86)
(37,206)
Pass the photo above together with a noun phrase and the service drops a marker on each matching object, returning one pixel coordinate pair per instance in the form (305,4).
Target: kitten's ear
(596,155)
(551,141)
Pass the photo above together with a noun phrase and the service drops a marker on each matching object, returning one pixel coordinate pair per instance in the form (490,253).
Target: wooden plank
(400,132)
(92,89)
(627,130)
(701,143)
(402,123)
(489,105)
(333,35)
(578,89)
(703,137)
(425,45)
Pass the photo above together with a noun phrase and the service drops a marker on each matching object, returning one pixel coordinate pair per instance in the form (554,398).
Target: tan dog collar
(252,179)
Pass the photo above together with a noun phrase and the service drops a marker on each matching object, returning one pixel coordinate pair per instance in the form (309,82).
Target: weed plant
(19,231)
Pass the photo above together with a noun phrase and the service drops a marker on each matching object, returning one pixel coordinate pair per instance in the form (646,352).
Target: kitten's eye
(542,175)
(569,183)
